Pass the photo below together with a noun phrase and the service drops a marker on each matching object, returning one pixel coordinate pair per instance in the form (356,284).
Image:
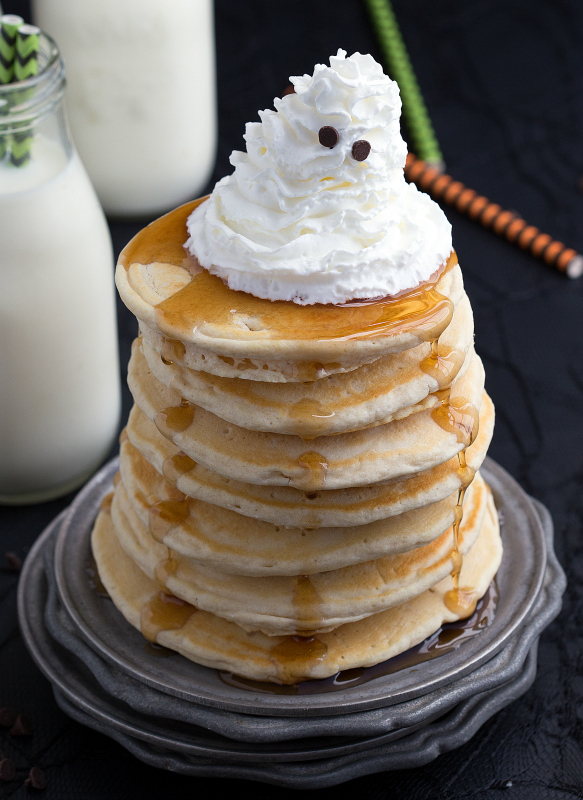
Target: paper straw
(25,66)
(26,56)
(9,24)
(427,169)
(423,139)
(504,223)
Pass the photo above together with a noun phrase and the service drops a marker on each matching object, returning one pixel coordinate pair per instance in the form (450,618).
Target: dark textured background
(503,83)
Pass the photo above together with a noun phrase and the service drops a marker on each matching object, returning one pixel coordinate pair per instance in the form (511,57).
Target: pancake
(254,369)
(393,450)
(371,394)
(215,642)
(402,372)
(217,537)
(168,291)
(291,507)
(306,418)
(296,604)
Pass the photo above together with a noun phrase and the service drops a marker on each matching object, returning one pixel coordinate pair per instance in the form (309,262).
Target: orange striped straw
(504,223)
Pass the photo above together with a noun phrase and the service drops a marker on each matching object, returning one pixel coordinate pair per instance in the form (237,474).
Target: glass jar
(59,372)
(141,96)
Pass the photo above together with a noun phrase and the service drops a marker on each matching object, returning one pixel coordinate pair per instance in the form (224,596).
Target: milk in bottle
(59,375)
(140,96)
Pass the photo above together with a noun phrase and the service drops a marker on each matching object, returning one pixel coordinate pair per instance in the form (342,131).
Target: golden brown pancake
(216,642)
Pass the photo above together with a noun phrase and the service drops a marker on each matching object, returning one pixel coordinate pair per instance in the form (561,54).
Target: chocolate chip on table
(13,562)
(7,770)
(328,136)
(360,150)
(36,778)
(7,717)
(290,90)
(22,726)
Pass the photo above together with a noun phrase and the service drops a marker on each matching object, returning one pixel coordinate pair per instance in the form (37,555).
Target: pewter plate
(107,632)
(319,734)
(411,751)
(329,760)
(80,695)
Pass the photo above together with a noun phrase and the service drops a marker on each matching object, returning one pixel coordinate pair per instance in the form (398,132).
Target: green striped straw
(26,57)
(9,24)
(423,139)
(25,66)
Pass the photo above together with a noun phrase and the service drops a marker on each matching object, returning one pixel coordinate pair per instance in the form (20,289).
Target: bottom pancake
(215,642)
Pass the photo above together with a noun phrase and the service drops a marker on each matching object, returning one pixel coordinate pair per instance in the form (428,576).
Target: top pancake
(169,292)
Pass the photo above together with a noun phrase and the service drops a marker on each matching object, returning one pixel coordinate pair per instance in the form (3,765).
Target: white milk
(59,375)
(140,96)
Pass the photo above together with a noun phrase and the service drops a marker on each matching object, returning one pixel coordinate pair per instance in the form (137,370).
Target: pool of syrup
(448,638)
(94,579)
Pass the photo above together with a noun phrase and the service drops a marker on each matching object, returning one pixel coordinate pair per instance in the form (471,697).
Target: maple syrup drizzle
(207,300)
(166,569)
(448,638)
(317,467)
(165,515)
(460,600)
(442,367)
(295,656)
(457,415)
(175,466)
(164,612)
(94,579)
(162,240)
(306,599)
(175,418)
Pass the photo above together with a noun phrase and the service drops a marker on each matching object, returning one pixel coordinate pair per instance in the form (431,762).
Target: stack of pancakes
(292,478)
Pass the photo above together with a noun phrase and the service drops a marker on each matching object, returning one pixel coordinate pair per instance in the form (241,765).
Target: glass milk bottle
(59,375)
(141,96)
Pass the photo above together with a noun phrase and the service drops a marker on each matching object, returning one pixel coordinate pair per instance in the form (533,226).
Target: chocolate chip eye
(360,150)
(328,136)
(290,90)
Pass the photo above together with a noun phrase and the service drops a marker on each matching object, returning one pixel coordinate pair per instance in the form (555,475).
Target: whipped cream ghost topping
(309,222)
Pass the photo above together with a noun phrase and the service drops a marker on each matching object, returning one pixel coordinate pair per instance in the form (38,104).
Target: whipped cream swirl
(300,221)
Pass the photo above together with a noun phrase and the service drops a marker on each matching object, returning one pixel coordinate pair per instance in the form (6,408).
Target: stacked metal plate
(178,715)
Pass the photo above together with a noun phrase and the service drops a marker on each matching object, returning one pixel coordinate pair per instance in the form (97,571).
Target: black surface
(503,83)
